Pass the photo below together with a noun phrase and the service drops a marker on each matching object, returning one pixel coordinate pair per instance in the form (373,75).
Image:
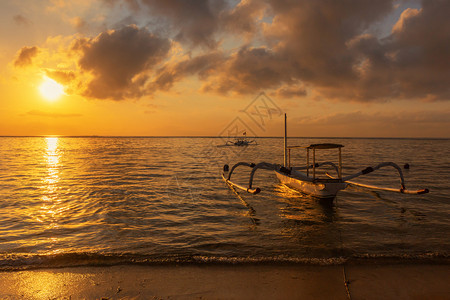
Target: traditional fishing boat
(306,180)
(240,141)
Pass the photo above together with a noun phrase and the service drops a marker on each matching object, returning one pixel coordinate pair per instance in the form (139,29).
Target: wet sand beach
(419,281)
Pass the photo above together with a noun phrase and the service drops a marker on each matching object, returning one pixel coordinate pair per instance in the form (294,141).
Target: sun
(50,89)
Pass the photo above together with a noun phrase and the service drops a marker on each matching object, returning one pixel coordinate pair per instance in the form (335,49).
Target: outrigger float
(305,180)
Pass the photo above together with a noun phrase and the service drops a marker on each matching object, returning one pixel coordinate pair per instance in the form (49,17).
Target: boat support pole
(318,165)
(368,170)
(249,189)
(371,169)
(285,142)
(250,165)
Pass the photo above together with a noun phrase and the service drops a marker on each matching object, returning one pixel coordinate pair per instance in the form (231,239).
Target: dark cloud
(419,50)
(119,60)
(67,78)
(63,77)
(195,21)
(326,46)
(132,4)
(248,71)
(21,20)
(290,91)
(244,17)
(313,36)
(40,113)
(25,56)
(306,43)
(203,66)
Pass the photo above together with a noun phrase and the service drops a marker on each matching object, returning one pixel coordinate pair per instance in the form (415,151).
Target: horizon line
(208,136)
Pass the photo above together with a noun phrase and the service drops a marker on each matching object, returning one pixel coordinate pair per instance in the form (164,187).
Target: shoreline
(365,281)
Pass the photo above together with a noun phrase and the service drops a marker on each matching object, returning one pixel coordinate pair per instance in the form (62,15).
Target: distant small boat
(309,183)
(241,141)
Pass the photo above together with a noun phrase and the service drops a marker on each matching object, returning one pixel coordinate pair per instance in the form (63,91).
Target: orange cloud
(404,17)
(25,56)
(51,115)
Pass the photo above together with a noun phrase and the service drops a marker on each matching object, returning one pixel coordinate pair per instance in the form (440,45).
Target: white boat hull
(322,190)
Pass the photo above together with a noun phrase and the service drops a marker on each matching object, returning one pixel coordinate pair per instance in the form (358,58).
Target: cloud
(67,78)
(51,115)
(244,17)
(132,4)
(118,61)
(313,36)
(306,42)
(79,23)
(61,76)
(25,56)
(324,48)
(420,48)
(406,15)
(21,20)
(413,123)
(290,91)
(391,117)
(194,21)
(200,22)
(412,63)
(202,66)
(150,108)
(248,71)
(327,46)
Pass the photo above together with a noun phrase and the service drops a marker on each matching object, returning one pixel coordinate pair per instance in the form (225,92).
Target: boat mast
(285,142)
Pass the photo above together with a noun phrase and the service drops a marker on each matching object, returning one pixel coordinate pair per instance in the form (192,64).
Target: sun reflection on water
(49,209)
(52,158)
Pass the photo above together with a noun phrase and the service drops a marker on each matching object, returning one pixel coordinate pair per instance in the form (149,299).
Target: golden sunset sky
(358,68)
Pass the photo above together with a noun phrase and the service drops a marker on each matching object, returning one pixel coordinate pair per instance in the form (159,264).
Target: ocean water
(72,201)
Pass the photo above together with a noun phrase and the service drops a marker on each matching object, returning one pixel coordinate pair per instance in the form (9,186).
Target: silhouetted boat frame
(240,142)
(309,183)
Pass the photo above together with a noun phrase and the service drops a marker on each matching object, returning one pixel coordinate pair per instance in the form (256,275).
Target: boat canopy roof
(324,146)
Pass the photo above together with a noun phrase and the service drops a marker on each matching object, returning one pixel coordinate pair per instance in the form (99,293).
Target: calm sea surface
(99,201)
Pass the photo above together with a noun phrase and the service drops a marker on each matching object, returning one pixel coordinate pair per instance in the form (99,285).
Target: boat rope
(346,282)
(344,273)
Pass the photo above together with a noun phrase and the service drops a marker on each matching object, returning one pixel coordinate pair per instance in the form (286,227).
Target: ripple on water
(68,201)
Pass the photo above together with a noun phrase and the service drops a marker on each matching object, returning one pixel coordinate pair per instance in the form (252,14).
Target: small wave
(429,257)
(12,262)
